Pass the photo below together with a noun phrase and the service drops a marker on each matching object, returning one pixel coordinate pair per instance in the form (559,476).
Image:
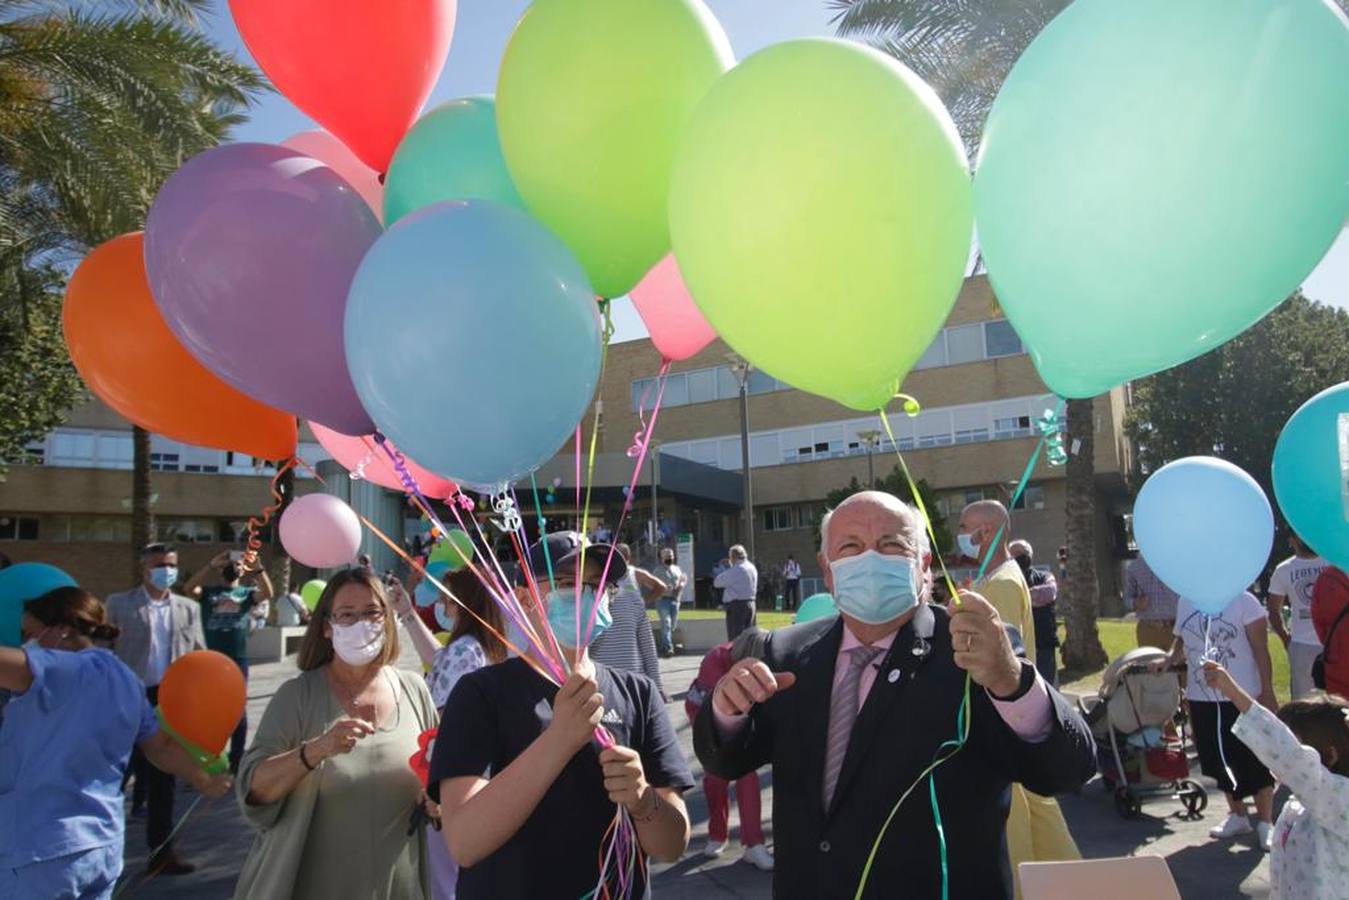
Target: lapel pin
(894,675)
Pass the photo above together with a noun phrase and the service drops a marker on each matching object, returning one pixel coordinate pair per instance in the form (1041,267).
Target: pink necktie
(842,714)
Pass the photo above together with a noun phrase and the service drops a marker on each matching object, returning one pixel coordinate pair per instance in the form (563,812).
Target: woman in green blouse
(327,780)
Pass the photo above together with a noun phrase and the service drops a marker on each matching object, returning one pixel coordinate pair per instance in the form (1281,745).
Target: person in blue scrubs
(68,732)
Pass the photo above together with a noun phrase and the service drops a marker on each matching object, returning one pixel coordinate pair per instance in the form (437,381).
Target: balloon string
(1211,652)
(590,473)
(178,826)
(255,524)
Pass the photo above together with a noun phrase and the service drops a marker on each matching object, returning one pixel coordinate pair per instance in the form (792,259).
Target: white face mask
(359,643)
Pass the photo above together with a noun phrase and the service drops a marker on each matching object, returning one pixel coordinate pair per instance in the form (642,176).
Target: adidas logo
(611,717)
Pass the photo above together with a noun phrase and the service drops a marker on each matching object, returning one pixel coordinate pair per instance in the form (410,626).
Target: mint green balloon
(592,99)
(451,153)
(1157,175)
(821,213)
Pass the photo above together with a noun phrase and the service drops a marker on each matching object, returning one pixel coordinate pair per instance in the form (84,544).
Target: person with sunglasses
(327,781)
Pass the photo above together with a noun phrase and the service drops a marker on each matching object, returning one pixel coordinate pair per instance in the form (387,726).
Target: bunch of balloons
(20,583)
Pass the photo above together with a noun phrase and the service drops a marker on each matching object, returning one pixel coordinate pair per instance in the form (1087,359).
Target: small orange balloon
(127,356)
(202,698)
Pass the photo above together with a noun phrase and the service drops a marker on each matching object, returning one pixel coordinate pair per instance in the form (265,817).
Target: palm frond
(188,12)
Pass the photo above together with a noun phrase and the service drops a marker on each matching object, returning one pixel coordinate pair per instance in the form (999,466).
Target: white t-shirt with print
(1225,633)
(1294,578)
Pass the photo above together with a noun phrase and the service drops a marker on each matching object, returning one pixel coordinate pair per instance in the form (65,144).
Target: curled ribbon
(358,473)
(1051,428)
(503,504)
(255,524)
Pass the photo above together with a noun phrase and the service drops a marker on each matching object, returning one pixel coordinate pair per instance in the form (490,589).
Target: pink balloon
(363,453)
(320,530)
(335,155)
(677,327)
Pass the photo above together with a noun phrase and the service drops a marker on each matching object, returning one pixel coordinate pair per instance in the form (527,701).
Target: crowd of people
(487,778)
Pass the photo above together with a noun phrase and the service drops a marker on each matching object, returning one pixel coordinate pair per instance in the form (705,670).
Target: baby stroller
(1128,720)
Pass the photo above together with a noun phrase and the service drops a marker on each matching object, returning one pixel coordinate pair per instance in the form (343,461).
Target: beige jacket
(130,612)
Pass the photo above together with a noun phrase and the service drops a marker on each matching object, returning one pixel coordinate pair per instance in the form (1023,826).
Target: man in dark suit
(851,710)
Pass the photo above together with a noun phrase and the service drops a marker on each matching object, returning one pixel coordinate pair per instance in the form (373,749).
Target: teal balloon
(1311,473)
(816,606)
(1157,175)
(489,309)
(426,592)
(451,153)
(20,583)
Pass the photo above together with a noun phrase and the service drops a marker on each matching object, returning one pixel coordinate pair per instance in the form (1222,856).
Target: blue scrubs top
(63,748)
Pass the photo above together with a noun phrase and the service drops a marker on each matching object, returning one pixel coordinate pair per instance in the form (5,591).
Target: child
(1307,747)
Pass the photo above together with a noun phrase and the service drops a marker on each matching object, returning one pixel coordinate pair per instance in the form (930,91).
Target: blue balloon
(488,312)
(1205,528)
(20,583)
(426,592)
(816,606)
(1311,473)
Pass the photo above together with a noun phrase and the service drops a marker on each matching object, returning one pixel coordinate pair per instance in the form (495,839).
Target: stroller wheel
(1127,803)
(1194,797)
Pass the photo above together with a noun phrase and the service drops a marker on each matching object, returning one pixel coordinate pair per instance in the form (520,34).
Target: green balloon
(821,216)
(455,550)
(451,153)
(592,98)
(816,606)
(312,591)
(1157,175)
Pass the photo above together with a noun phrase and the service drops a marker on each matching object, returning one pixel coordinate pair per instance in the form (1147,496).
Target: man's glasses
(348,617)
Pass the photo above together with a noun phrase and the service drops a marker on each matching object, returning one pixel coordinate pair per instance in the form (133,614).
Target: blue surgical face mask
(163,577)
(562,613)
(443,619)
(875,588)
(967,545)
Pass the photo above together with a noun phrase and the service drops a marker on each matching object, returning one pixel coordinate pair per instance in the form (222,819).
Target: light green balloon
(451,153)
(455,550)
(816,606)
(312,591)
(1157,175)
(592,98)
(821,215)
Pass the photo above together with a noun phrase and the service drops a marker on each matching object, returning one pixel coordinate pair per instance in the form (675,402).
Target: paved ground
(217,838)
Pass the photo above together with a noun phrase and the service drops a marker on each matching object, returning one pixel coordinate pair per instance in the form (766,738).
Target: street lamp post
(871,440)
(742,370)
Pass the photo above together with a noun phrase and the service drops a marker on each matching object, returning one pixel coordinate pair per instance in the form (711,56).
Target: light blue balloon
(451,153)
(488,311)
(20,583)
(426,592)
(1205,528)
(1311,473)
(816,606)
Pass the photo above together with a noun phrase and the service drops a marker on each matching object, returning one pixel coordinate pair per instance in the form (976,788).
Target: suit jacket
(910,711)
(130,611)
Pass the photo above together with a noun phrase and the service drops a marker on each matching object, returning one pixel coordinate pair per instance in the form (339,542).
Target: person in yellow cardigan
(1036,830)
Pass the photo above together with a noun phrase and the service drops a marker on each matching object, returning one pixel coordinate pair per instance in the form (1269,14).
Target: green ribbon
(213,763)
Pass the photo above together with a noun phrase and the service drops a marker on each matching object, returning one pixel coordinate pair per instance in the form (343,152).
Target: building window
(702,386)
(935,355)
(164,462)
(1032,498)
(1011,427)
(807,514)
(1000,339)
(101,529)
(18,528)
(964,344)
(186,531)
(777,518)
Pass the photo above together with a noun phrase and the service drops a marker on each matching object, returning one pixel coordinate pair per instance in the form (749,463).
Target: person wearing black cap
(527,794)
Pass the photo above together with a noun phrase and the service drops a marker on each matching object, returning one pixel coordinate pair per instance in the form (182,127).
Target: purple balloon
(250,250)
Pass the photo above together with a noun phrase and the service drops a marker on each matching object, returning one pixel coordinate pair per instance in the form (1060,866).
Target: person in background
(1330,613)
(791,581)
(291,611)
(739,582)
(1036,829)
(327,780)
(667,606)
(628,642)
(1291,585)
(1153,603)
(526,793)
(1044,593)
(715,664)
(1237,638)
(363,561)
(230,610)
(1306,746)
(76,713)
(157,626)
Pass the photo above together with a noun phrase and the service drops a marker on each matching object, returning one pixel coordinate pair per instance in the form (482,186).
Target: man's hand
(1141,603)
(625,781)
(982,646)
(748,682)
(213,786)
(577,711)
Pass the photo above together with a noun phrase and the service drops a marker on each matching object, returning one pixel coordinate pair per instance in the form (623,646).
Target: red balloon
(361,453)
(361,68)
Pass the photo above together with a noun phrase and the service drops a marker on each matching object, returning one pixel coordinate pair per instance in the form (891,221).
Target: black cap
(563,549)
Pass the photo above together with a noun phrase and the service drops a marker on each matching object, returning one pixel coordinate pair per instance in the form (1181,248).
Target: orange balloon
(127,355)
(202,698)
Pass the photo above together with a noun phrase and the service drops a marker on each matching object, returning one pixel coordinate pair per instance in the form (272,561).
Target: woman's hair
(316,649)
(76,608)
(1323,724)
(478,607)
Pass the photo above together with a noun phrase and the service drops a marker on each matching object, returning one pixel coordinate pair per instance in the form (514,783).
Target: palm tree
(96,111)
(964,49)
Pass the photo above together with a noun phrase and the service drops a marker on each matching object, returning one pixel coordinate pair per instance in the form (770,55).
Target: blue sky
(481,32)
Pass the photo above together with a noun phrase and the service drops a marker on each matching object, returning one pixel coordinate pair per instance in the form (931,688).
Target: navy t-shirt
(492,715)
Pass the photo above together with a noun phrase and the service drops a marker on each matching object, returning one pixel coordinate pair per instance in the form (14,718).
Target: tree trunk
(142,518)
(1082,650)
